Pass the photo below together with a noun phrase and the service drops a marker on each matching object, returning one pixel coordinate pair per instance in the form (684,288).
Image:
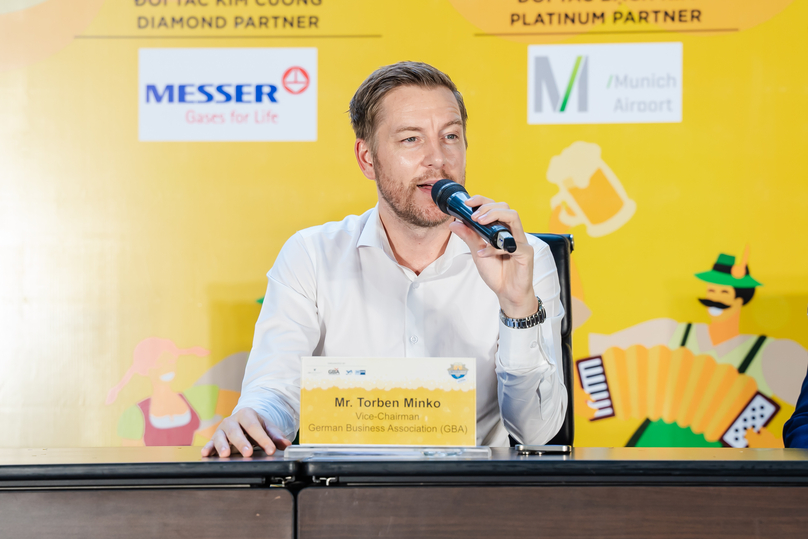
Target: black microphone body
(451,198)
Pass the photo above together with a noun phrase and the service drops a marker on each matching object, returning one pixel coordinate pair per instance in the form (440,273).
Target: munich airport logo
(604,84)
(233,94)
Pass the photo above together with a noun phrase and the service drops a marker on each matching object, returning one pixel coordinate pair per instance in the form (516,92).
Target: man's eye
(409,139)
(452,136)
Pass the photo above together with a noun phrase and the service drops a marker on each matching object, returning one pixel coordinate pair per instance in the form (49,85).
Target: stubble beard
(401,199)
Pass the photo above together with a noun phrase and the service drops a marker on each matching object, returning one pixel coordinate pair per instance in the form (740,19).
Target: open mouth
(714,308)
(427,185)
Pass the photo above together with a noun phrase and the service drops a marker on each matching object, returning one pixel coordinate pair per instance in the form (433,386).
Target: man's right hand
(241,430)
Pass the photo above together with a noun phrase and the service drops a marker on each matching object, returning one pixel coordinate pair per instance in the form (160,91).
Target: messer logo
(227,94)
(545,83)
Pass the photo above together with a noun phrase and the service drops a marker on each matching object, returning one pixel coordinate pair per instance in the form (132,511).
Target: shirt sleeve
(288,328)
(530,381)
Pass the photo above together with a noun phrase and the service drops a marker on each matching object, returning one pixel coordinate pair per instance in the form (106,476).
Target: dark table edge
(535,466)
(556,468)
(157,470)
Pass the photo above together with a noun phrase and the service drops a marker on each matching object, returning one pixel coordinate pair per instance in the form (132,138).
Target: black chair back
(561,245)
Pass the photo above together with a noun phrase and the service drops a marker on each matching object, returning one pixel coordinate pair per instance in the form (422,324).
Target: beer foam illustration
(578,162)
(445,374)
(589,192)
(387,384)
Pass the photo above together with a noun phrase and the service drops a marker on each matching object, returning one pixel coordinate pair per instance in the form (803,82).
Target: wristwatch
(524,323)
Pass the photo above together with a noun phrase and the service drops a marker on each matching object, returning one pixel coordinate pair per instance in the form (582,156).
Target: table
(621,492)
(142,493)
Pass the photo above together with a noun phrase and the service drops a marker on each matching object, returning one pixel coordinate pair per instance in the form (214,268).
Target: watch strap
(524,323)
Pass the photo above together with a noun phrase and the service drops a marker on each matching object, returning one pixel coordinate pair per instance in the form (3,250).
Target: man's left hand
(509,275)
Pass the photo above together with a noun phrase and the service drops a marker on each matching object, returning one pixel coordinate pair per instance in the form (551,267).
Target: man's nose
(435,156)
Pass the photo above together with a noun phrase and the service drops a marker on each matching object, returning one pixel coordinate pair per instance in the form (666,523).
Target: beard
(401,199)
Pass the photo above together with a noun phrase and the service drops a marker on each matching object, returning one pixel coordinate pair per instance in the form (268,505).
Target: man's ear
(365,159)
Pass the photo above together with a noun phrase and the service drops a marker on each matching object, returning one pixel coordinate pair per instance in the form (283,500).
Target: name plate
(388,401)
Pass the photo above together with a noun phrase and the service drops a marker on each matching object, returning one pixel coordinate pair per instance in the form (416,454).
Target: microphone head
(442,190)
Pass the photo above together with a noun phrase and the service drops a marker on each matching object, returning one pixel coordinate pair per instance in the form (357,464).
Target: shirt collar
(374,235)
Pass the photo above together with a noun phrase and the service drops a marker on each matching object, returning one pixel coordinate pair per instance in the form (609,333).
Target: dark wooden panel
(142,513)
(555,512)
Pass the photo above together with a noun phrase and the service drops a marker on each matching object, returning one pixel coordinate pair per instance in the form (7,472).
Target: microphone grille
(442,190)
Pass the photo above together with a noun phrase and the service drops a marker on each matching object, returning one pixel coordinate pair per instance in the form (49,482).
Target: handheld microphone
(451,198)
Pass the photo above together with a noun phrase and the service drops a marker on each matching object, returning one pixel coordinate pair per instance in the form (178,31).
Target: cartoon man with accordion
(696,384)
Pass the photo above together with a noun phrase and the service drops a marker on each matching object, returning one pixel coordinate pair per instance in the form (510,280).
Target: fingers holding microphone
(507,270)
(476,244)
(494,222)
(453,200)
(488,212)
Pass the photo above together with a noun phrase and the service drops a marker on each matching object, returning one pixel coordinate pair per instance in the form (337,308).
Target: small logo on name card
(458,371)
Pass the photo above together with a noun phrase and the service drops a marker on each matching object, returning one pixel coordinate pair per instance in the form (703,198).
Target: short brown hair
(366,102)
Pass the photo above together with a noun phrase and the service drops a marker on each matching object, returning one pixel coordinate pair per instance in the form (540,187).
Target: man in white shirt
(405,280)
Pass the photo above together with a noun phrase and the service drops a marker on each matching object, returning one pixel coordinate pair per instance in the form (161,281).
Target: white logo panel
(249,94)
(605,83)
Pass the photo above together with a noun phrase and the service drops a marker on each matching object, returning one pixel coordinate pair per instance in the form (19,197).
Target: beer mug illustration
(589,192)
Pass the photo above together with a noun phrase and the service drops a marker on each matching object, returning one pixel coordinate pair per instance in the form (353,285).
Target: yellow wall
(105,240)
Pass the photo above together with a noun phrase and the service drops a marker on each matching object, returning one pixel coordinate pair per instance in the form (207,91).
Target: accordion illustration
(676,386)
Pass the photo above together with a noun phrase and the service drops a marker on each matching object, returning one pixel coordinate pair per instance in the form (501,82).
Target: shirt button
(534,344)
(416,285)
(414,339)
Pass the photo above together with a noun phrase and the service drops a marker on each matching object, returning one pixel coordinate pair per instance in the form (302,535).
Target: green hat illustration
(723,274)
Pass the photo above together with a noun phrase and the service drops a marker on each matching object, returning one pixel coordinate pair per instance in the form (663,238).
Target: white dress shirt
(336,290)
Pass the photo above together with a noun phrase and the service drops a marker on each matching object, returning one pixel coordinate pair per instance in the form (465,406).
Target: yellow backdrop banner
(156,154)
